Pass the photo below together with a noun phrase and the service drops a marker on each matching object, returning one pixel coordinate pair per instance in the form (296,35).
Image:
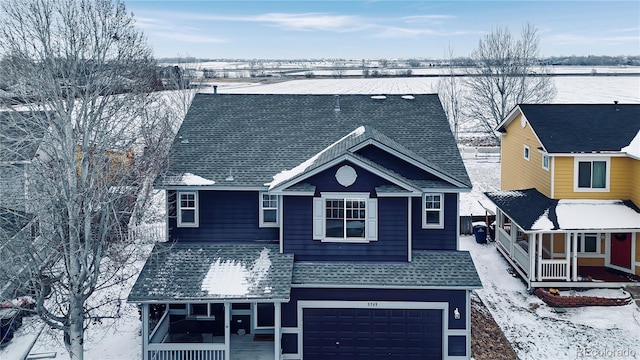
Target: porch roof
(427,269)
(220,271)
(533,211)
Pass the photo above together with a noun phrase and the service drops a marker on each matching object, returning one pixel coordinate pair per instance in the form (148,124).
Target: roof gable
(580,128)
(251,138)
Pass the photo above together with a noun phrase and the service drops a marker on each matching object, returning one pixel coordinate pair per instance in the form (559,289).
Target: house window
(588,243)
(269,210)
(433,211)
(591,175)
(526,152)
(545,161)
(188,209)
(345,217)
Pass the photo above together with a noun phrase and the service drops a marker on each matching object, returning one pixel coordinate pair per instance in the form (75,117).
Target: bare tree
(81,76)
(506,72)
(450,93)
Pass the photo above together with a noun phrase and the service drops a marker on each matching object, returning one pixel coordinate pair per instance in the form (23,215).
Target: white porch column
(539,244)
(145,331)
(567,255)
(276,329)
(227,330)
(532,257)
(574,254)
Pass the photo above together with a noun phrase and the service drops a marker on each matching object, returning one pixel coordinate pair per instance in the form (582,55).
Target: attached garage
(372,330)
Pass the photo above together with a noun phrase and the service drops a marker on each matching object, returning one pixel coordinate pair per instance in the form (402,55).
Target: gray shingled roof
(426,269)
(210,271)
(571,128)
(21,134)
(254,137)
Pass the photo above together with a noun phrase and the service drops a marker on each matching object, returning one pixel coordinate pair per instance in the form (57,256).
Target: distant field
(571,89)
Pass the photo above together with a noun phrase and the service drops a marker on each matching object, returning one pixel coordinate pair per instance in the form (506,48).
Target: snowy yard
(534,330)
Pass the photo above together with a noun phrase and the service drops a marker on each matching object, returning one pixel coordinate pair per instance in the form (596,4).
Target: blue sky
(351,29)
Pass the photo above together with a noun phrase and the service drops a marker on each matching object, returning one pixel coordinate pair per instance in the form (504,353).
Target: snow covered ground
(571,89)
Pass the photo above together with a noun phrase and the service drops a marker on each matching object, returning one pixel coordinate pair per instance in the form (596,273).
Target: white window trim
(581,245)
(578,159)
(254,307)
(526,153)
(179,208)
(370,224)
(545,156)
(261,215)
(440,225)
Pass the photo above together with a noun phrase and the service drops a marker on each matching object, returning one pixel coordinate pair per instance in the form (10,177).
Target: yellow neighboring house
(568,210)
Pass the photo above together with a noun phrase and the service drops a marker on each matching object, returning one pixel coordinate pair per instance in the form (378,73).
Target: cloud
(572,39)
(189,38)
(311,21)
(427,18)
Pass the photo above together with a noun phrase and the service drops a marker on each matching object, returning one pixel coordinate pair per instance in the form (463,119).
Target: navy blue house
(321,226)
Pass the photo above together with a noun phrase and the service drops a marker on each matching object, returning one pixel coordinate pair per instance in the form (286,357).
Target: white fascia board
(591,154)
(390,287)
(345,157)
(198,301)
(291,193)
(509,118)
(210,187)
(408,159)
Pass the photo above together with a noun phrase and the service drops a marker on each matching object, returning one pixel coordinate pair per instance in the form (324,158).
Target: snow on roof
(543,222)
(192,179)
(596,214)
(633,149)
(289,174)
(233,278)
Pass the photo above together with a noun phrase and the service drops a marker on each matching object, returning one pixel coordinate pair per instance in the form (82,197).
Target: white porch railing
(186,351)
(522,258)
(504,239)
(553,269)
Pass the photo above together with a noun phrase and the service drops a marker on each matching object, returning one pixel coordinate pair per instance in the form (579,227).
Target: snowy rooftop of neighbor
(205,271)
(533,211)
(633,149)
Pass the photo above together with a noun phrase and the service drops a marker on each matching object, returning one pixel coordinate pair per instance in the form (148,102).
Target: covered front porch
(553,243)
(226,331)
(204,301)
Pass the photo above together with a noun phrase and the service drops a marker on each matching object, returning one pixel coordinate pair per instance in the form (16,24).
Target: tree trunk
(75,332)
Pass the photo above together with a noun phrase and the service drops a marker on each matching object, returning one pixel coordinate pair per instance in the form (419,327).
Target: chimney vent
(336,107)
(615,102)
(215,89)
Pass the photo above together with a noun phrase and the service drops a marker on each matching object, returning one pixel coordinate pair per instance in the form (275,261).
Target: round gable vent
(346,176)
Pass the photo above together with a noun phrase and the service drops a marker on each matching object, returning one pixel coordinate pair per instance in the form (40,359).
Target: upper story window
(269,210)
(433,211)
(188,209)
(526,153)
(591,174)
(545,161)
(345,217)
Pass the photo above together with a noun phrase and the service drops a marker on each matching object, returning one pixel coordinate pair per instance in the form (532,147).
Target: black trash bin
(480,231)
(492,231)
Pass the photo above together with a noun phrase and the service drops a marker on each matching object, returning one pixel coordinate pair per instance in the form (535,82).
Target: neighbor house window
(592,175)
(345,217)
(269,210)
(188,209)
(526,153)
(433,211)
(588,243)
(545,161)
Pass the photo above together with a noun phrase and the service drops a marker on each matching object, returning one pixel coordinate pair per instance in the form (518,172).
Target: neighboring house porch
(568,243)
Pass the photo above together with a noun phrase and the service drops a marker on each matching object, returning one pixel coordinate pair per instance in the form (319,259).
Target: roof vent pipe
(215,89)
(336,107)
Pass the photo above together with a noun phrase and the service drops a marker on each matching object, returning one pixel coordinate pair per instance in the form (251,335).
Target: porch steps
(635,293)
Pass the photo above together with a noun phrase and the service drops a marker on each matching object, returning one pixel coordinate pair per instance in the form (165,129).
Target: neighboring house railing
(504,239)
(553,269)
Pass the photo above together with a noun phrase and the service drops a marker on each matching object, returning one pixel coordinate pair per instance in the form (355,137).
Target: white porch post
(532,257)
(145,331)
(567,255)
(227,330)
(539,243)
(574,254)
(276,330)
